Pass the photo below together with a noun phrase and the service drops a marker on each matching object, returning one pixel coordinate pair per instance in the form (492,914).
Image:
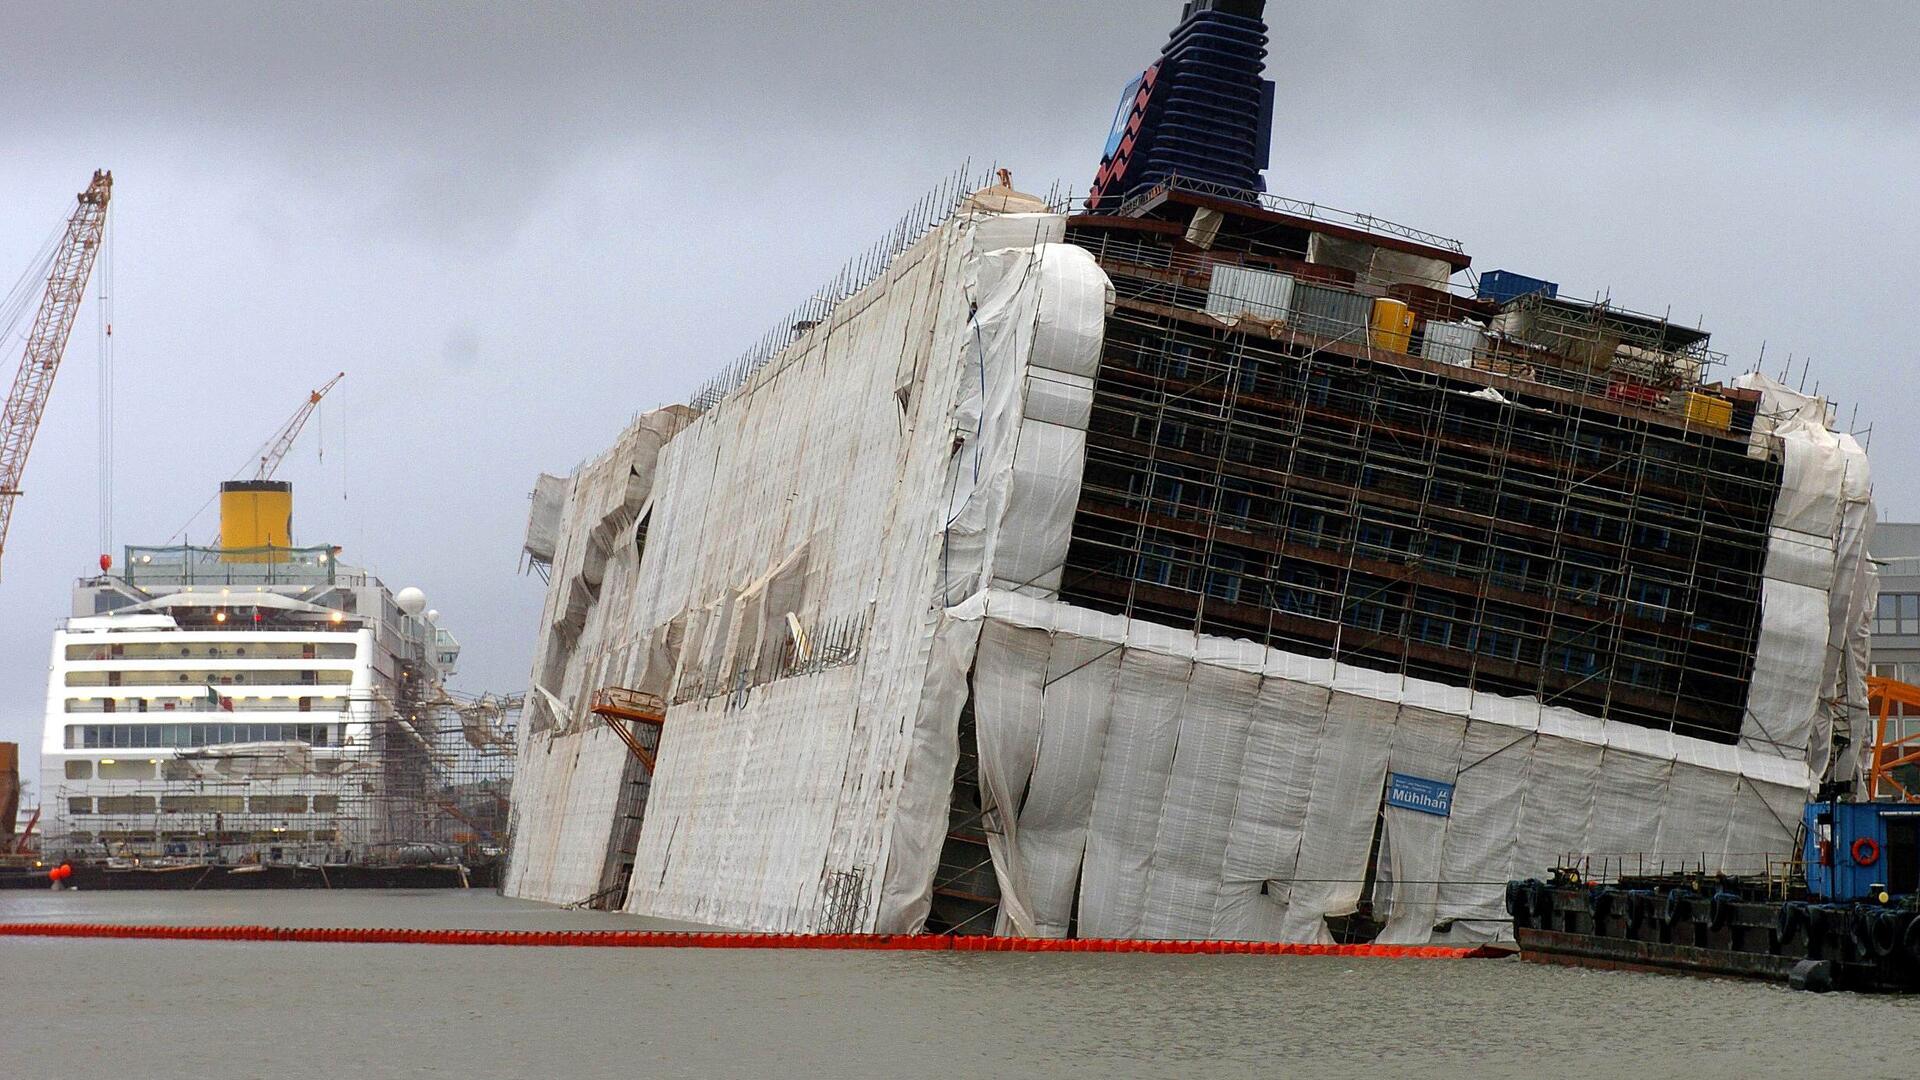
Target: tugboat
(1842,915)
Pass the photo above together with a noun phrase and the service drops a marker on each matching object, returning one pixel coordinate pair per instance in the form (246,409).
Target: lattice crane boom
(47,339)
(276,448)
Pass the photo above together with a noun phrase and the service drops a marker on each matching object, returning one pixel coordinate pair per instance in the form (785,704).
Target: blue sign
(1419,793)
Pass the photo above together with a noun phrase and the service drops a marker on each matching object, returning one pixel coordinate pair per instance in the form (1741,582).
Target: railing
(933,210)
(189,565)
(628,705)
(1280,204)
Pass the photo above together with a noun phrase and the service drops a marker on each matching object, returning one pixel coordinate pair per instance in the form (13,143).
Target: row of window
(307,677)
(257,650)
(262,703)
(162,736)
(178,839)
(201,804)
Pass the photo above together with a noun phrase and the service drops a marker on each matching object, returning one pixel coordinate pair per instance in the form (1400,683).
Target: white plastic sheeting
(1177,785)
(568,769)
(923,442)
(1810,662)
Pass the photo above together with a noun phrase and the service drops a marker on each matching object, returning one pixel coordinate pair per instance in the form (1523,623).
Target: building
(1896,615)
(1192,563)
(252,699)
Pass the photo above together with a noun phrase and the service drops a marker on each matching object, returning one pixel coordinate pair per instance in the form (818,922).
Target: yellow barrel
(1392,325)
(255,515)
(1709,411)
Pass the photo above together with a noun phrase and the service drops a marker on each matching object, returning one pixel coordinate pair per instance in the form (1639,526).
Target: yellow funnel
(254,515)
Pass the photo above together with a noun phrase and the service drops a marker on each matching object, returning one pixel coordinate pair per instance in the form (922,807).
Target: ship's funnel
(255,515)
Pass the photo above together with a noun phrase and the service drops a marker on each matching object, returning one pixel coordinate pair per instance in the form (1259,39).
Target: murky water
(160,1009)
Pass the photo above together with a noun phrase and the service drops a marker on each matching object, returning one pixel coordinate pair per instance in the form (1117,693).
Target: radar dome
(411,600)
(433,615)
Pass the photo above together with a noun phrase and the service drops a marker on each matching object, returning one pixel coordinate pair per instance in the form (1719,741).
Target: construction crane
(274,451)
(47,339)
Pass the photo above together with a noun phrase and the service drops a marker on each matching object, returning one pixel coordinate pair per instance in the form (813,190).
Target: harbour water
(170,1010)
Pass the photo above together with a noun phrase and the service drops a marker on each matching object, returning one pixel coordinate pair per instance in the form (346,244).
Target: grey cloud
(515,225)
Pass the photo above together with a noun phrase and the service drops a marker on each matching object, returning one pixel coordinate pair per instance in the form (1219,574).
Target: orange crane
(47,339)
(274,450)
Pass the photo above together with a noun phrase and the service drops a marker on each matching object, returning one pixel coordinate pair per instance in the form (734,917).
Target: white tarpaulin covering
(1179,786)
(925,440)
(819,570)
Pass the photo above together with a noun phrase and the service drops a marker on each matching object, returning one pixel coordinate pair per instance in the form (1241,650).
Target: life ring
(1866,851)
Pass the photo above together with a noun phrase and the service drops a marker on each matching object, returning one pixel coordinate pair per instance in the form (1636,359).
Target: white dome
(433,615)
(411,600)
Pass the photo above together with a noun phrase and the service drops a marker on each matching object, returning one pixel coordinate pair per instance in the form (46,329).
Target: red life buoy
(1865,851)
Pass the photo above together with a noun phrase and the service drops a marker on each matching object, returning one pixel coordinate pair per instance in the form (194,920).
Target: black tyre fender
(1601,902)
(1791,919)
(1720,910)
(1678,907)
(1540,900)
(1860,930)
(1911,939)
(1884,932)
(1517,896)
(1639,908)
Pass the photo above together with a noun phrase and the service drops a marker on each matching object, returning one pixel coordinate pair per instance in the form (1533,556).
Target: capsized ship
(257,704)
(1190,563)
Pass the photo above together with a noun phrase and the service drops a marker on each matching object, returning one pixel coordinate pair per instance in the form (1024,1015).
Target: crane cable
(104,308)
(25,291)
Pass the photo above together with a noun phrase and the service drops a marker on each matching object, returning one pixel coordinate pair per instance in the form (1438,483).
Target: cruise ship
(252,701)
(1189,561)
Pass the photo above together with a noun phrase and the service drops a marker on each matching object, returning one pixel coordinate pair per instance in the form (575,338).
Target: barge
(1844,915)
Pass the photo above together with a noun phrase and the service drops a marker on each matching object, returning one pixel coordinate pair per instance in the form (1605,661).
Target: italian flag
(214,698)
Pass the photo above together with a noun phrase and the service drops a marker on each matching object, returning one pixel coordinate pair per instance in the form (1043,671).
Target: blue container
(1505,286)
(1851,847)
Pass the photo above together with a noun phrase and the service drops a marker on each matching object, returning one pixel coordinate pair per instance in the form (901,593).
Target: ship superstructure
(254,699)
(1193,562)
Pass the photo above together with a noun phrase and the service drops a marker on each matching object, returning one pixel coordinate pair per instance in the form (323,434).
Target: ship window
(124,769)
(126,804)
(278,804)
(78,804)
(203,804)
(326,804)
(1122,116)
(79,769)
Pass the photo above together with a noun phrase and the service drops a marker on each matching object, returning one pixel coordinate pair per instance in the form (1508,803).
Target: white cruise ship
(254,700)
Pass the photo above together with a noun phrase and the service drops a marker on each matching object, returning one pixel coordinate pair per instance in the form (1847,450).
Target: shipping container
(1332,313)
(1505,286)
(1453,342)
(1237,292)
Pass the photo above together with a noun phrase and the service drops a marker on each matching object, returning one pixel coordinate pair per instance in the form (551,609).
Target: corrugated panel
(1237,291)
(1332,313)
(1453,342)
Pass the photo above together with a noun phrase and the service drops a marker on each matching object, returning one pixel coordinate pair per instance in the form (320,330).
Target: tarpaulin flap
(543,516)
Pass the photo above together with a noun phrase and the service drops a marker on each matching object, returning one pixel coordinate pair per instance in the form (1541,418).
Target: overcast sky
(514,226)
